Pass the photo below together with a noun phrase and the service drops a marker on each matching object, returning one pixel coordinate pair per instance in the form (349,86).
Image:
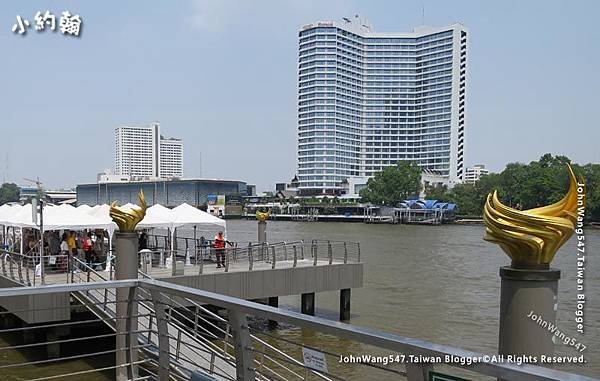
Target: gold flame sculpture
(128,218)
(532,237)
(263,216)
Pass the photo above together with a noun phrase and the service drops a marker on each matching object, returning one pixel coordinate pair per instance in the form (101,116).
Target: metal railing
(162,356)
(248,256)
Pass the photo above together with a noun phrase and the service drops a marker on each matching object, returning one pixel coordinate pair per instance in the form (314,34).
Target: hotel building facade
(367,100)
(142,153)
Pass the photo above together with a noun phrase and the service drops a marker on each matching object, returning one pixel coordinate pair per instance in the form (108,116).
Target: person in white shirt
(64,252)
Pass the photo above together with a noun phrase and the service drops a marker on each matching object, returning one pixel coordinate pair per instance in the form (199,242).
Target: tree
(437,192)
(467,199)
(9,193)
(394,184)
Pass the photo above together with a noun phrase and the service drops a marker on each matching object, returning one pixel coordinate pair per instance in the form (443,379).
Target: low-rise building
(170,193)
(474,173)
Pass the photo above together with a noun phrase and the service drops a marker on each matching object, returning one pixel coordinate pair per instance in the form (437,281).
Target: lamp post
(529,286)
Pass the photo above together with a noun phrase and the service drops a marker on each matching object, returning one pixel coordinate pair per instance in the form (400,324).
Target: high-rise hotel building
(143,153)
(367,100)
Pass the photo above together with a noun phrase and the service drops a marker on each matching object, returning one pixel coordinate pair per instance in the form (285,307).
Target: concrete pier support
(345,304)
(308,304)
(28,334)
(527,298)
(273,302)
(52,349)
(126,267)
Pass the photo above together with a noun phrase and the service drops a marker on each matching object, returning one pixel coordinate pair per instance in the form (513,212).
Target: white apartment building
(171,157)
(143,153)
(474,173)
(367,100)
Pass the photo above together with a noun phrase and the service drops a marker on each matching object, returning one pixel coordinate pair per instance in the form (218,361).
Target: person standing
(219,245)
(88,249)
(72,243)
(65,262)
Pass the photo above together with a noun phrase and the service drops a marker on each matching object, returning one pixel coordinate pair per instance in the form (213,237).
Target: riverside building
(368,100)
(143,153)
(474,173)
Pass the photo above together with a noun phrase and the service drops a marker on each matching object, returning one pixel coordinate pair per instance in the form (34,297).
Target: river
(436,283)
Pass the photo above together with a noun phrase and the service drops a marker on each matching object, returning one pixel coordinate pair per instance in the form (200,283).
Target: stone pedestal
(528,303)
(262,231)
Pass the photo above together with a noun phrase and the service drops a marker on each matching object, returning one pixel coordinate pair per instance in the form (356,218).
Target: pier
(255,271)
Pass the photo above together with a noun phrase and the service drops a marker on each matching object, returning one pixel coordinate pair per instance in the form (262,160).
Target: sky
(222,75)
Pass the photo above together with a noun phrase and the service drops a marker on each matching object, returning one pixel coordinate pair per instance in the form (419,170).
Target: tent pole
(173,257)
(195,246)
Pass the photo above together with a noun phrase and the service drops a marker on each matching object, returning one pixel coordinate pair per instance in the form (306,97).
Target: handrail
(383,340)
(227,334)
(178,325)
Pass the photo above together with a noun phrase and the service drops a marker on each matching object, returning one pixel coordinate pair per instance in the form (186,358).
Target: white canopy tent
(187,215)
(66,217)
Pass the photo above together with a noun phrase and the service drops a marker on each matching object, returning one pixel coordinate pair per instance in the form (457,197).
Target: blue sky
(222,76)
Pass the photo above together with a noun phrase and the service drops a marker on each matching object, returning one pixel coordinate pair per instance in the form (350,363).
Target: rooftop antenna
(423,14)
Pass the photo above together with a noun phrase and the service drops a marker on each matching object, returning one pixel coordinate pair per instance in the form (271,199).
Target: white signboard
(314,359)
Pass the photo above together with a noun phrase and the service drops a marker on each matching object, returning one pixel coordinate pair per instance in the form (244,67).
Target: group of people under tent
(218,244)
(90,248)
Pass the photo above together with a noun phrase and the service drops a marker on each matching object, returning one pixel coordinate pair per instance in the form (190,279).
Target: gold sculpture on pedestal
(531,237)
(263,216)
(128,218)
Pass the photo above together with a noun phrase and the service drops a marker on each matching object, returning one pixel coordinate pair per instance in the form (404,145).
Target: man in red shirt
(219,245)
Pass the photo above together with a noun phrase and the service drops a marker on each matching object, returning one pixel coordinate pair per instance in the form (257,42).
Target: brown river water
(435,283)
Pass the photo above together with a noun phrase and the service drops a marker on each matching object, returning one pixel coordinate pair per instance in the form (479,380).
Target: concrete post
(126,267)
(262,231)
(52,349)
(244,359)
(308,304)
(528,297)
(273,302)
(345,304)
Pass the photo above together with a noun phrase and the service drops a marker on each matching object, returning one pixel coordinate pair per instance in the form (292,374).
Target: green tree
(9,192)
(394,184)
(467,199)
(591,173)
(437,192)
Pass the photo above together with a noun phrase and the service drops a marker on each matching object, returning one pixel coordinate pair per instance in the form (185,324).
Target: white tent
(187,215)
(158,216)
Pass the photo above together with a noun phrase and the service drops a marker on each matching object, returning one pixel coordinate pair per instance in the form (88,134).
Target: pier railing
(244,338)
(248,256)
(30,269)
